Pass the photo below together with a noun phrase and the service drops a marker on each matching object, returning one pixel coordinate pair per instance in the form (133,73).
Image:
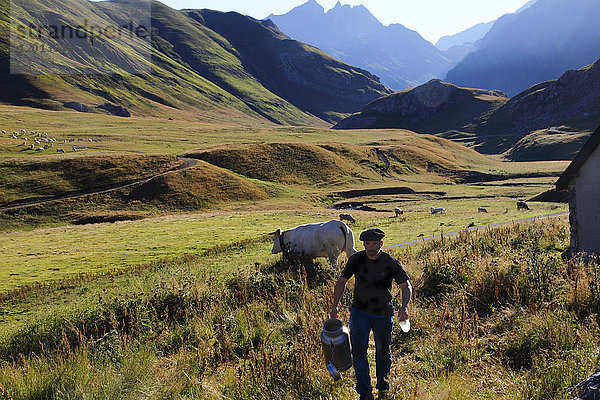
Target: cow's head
(276,241)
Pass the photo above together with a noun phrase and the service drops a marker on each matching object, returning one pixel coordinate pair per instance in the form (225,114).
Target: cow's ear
(276,233)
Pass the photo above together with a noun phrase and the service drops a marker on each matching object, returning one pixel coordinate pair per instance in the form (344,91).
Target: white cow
(440,210)
(398,211)
(323,239)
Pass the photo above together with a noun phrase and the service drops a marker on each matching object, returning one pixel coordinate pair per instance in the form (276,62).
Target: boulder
(76,106)
(113,109)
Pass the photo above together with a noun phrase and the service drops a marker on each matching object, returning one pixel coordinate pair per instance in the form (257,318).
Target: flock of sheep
(521,205)
(41,141)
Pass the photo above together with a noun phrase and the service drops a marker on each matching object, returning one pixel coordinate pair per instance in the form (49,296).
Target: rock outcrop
(76,106)
(113,109)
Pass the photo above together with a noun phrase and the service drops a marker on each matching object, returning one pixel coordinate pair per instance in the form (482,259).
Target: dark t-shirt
(373,281)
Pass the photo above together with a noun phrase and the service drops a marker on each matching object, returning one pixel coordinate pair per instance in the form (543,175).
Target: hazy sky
(431,18)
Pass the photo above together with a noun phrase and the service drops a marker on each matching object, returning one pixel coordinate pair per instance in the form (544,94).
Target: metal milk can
(336,347)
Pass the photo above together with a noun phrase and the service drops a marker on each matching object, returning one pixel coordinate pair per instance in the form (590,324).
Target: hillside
(399,56)
(184,69)
(346,165)
(538,44)
(301,74)
(548,121)
(548,116)
(434,107)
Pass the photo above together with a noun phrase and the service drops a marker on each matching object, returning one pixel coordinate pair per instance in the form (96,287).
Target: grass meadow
(497,313)
(168,289)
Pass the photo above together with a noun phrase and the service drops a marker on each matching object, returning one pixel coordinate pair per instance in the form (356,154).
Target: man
(372,309)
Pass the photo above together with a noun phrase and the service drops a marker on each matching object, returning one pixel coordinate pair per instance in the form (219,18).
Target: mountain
(549,121)
(470,35)
(399,56)
(545,120)
(532,46)
(304,76)
(434,107)
(473,34)
(184,67)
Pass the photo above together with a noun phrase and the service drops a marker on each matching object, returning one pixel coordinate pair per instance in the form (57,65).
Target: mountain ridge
(535,45)
(398,55)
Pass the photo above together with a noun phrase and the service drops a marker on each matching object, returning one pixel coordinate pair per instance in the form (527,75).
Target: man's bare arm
(338,292)
(406,289)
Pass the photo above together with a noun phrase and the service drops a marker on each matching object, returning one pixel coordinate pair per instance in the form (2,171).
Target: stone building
(582,180)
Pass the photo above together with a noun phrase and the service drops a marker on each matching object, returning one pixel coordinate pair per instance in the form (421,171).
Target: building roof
(586,151)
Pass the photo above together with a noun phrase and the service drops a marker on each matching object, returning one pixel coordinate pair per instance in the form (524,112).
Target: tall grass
(499,314)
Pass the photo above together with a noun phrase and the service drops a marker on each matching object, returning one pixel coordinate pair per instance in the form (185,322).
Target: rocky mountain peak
(433,93)
(313,5)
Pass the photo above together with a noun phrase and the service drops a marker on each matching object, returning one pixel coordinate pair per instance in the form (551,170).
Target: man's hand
(334,313)
(402,314)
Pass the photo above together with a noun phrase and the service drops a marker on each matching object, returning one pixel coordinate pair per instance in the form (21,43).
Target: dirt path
(187,164)
(474,228)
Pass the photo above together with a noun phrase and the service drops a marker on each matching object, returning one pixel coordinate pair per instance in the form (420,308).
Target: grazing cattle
(347,217)
(521,205)
(322,239)
(482,210)
(440,210)
(398,211)
(60,151)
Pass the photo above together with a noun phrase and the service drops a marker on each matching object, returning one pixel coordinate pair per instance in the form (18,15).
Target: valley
(167,238)
(138,207)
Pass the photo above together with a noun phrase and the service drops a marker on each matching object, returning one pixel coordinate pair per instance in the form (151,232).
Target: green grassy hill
(45,178)
(193,71)
(344,164)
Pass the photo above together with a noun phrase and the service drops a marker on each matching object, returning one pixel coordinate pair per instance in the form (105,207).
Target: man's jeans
(361,324)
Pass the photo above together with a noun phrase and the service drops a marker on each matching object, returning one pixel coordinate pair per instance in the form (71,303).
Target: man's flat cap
(373,234)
